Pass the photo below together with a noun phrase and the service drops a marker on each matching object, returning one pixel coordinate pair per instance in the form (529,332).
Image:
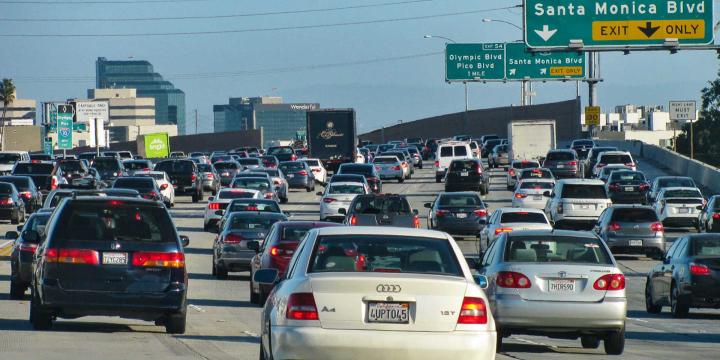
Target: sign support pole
(692,142)
(97,138)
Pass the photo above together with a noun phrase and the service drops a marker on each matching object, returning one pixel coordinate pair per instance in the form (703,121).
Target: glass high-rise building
(140,75)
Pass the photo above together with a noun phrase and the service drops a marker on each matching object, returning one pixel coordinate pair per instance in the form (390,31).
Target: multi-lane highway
(222,324)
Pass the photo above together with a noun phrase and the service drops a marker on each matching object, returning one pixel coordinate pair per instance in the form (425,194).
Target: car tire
(262,298)
(402,180)
(308,189)
(254,297)
(176,323)
(510,187)
(15,218)
(206,227)
(420,167)
(590,342)
(221,273)
(39,318)
(486,189)
(17,291)
(678,307)
(283,200)
(650,306)
(201,196)
(615,342)
(437,179)
(498,342)
(195,198)
(214,192)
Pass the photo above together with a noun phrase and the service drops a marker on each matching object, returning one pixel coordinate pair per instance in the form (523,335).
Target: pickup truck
(381,210)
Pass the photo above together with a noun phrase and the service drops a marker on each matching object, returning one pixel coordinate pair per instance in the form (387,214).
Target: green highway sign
(64,126)
(522,64)
(621,24)
(76,126)
(47,147)
(473,62)
(511,61)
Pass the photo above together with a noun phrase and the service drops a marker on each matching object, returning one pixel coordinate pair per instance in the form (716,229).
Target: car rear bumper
(680,221)
(6,212)
(393,174)
(236,261)
(318,343)
(512,312)
(565,173)
(460,228)
(131,305)
(621,244)
(299,182)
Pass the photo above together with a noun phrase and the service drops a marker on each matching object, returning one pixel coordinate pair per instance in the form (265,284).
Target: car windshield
(134,183)
(33,169)
(385,160)
(683,194)
(627,176)
(114,220)
(466,165)
(676,182)
(523,217)
(615,159)
(542,249)
(536,174)
(384,254)
(251,183)
(381,205)
(235,194)
(357,169)
(584,191)
(267,206)
(294,233)
(460,200)
(244,222)
(634,215)
(346,189)
(705,246)
(71,166)
(560,156)
(177,167)
(536,185)
(9,158)
(106,164)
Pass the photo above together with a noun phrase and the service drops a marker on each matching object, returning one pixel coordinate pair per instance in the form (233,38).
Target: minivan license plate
(389,312)
(561,286)
(115,258)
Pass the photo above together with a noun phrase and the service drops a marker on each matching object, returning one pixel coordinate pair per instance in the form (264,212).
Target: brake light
(441,213)
(210,176)
(301,306)
(193,177)
(287,250)
(159,259)
(35,161)
(353,220)
(26,194)
(72,256)
(6,201)
(657,227)
(511,172)
(27,247)
(163,186)
(214,206)
(520,195)
(614,187)
(315,170)
(600,165)
(233,239)
(151,195)
(473,311)
(293,157)
(397,167)
(716,216)
(53,183)
(276,182)
(416,222)
(329,200)
(303,173)
(610,282)
(573,163)
(268,195)
(480,212)
(700,270)
(613,226)
(501,230)
(437,164)
(512,280)
(644,186)
(630,164)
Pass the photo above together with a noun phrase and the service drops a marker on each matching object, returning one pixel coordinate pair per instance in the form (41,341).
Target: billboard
(157,145)
(87,111)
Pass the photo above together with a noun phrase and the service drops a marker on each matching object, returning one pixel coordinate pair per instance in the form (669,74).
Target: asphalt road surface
(222,324)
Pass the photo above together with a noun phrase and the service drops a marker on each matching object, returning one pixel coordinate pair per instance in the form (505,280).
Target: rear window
(536,185)
(582,143)
(35,221)
(347,178)
(347,189)
(34,169)
(357,169)
(294,233)
(381,205)
(705,247)
(235,194)
(280,151)
(463,165)
(292,167)
(676,182)
(584,191)
(597,151)
(226,166)
(243,222)
(627,176)
(175,166)
(69,166)
(21,183)
(204,168)
(446,151)
(525,165)
(130,183)
(254,206)
(251,183)
(389,254)
(634,215)
(491,143)
(114,221)
(556,249)
(135,165)
(106,164)
(536,174)
(461,151)
(156,176)
(6,189)
(312,162)
(460,200)
(615,159)
(55,200)
(249,161)
(9,158)
(385,160)
(682,193)
(560,156)
(523,217)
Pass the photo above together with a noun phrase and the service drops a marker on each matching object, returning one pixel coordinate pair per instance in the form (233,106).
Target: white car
(577,202)
(505,220)
(376,293)
(318,170)
(164,184)
(359,157)
(218,203)
(680,206)
(614,157)
(530,193)
(339,195)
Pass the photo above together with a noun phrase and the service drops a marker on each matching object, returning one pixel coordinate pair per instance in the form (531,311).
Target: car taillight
(301,306)
(302,173)
(225,174)
(473,311)
(600,165)
(630,164)
(614,187)
(159,259)
(193,177)
(657,227)
(437,164)
(416,222)
(6,201)
(26,194)
(520,195)
(501,230)
(72,256)
(233,239)
(316,170)
(613,226)
(700,270)
(329,200)
(377,168)
(27,247)
(480,212)
(268,195)
(210,176)
(441,213)
(573,163)
(511,172)
(276,182)
(151,195)
(286,250)
(512,280)
(610,282)
(53,183)
(293,157)
(644,186)
(214,206)
(716,216)
(353,220)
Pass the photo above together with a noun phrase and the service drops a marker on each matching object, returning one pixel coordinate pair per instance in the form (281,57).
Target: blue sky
(381,92)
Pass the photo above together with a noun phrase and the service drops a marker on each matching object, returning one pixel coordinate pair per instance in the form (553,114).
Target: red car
(277,250)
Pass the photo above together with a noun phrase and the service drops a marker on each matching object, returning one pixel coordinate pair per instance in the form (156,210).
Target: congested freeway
(223,323)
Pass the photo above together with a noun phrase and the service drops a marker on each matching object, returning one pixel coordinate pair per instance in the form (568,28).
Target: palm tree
(7,95)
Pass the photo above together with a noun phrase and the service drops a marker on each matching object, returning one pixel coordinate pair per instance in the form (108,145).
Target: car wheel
(262,298)
(649,304)
(214,191)
(437,179)
(678,306)
(615,342)
(308,189)
(17,291)
(498,342)
(39,318)
(402,180)
(195,198)
(201,196)
(15,218)
(510,187)
(590,342)
(175,323)
(283,200)
(254,297)
(206,227)
(221,273)
(420,166)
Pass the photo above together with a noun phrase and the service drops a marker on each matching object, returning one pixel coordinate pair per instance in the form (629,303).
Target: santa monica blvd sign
(607,23)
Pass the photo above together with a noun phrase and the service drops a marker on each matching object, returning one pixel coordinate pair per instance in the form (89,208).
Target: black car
(185,177)
(282,153)
(41,157)
(298,175)
(459,213)
(12,206)
(227,171)
(146,186)
(366,170)
(28,191)
(582,147)
(110,257)
(628,187)
(23,251)
(689,276)
(467,174)
(109,168)
(381,210)
(563,163)
(710,215)
(45,174)
(77,174)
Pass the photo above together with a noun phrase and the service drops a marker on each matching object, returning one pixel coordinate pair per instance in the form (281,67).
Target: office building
(20,112)
(140,75)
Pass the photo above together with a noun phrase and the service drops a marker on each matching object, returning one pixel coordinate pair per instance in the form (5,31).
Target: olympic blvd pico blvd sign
(64,126)
(511,61)
(622,24)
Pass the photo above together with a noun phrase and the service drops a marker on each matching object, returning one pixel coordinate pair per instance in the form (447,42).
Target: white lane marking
(7,243)
(197,308)
(640,320)
(250,333)
(531,342)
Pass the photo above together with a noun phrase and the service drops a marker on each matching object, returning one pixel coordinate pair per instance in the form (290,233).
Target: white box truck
(531,139)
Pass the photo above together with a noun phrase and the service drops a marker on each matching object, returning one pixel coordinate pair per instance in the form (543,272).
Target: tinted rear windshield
(175,166)
(226,165)
(9,158)
(251,183)
(244,222)
(556,249)
(35,221)
(598,150)
(235,194)
(676,182)
(385,160)
(491,143)
(346,189)
(135,165)
(634,215)
(294,233)
(523,217)
(21,183)
(204,168)
(584,191)
(381,205)
(249,161)
(106,164)
(357,169)
(627,176)
(560,156)
(615,159)
(280,151)
(312,162)
(34,169)
(683,194)
(69,166)
(129,183)
(463,165)
(347,178)
(536,185)
(460,200)
(379,253)
(583,143)
(268,206)
(525,165)
(705,247)
(113,220)
(292,167)
(538,174)
(6,188)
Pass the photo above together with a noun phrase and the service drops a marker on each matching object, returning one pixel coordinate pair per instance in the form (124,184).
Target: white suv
(680,206)
(577,203)
(614,158)
(446,153)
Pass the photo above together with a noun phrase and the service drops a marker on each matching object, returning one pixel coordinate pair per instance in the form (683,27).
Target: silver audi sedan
(556,283)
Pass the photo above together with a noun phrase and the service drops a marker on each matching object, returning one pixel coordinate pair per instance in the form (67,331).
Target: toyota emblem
(388,288)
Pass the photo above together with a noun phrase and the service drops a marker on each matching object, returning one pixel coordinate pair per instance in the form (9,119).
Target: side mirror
(701,207)
(666,260)
(472,262)
(30,236)
(342,211)
(220,212)
(211,198)
(481,280)
(428,205)
(265,276)
(319,193)
(415,212)
(163,186)
(12,235)
(184,240)
(547,194)
(253,245)
(20,227)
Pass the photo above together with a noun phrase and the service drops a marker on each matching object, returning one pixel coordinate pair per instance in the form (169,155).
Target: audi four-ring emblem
(388,288)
